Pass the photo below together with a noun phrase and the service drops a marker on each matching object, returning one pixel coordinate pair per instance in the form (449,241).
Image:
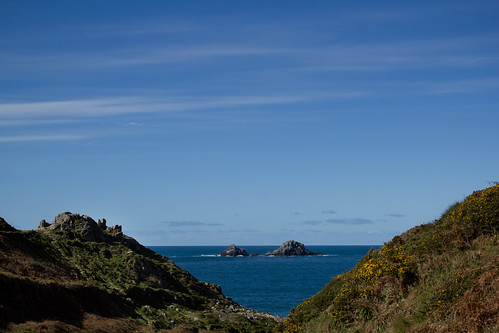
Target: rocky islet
(290,248)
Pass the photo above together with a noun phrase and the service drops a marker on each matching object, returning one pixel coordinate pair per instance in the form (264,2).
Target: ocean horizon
(266,283)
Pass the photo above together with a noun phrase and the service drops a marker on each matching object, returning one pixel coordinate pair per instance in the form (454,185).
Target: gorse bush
(477,214)
(390,265)
(391,261)
(440,277)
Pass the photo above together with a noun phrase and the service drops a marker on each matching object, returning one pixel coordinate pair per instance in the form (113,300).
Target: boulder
(102,224)
(234,251)
(292,248)
(43,224)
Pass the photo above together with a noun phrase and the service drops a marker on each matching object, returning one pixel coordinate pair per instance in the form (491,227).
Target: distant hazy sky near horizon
(247,122)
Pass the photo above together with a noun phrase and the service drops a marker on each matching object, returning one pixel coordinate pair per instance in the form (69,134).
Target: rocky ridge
(87,276)
(442,276)
(4,226)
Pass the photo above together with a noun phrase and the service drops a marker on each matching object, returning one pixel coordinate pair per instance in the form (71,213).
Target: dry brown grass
(479,306)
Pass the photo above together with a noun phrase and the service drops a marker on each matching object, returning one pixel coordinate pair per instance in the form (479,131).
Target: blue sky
(247,122)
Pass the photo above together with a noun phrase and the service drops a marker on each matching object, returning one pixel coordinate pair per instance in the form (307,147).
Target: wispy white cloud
(34,138)
(53,112)
(463,86)
(354,221)
(396,215)
(340,56)
(104,117)
(139,27)
(30,122)
(400,55)
(311,222)
(127,105)
(190,224)
(142,55)
(347,221)
(71,108)
(134,124)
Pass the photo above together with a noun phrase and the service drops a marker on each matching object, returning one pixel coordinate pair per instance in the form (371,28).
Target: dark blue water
(267,284)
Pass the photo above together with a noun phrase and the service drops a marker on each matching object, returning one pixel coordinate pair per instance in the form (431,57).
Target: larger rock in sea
(292,248)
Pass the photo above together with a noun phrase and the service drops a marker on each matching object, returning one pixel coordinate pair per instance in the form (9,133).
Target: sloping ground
(76,275)
(438,277)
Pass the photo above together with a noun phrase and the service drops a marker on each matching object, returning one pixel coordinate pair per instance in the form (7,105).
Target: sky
(247,122)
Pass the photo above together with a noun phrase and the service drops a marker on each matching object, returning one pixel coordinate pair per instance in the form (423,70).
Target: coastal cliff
(75,274)
(437,277)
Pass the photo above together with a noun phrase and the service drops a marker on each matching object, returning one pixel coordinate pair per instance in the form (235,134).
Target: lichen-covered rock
(292,248)
(43,224)
(83,226)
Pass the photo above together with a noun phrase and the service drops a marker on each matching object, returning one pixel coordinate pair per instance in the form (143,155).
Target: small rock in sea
(234,251)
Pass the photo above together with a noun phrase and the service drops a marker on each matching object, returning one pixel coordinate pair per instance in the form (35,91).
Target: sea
(267,284)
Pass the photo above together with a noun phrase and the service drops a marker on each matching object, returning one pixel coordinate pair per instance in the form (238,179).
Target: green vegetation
(438,277)
(81,276)
(55,279)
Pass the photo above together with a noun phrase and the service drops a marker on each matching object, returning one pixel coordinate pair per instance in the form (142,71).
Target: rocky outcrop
(292,248)
(234,251)
(80,269)
(4,226)
(84,226)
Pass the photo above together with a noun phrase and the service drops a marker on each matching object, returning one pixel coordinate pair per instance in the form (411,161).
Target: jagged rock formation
(292,248)
(89,230)
(4,226)
(234,251)
(87,276)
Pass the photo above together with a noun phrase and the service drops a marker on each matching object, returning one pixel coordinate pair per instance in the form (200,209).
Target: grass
(58,281)
(440,276)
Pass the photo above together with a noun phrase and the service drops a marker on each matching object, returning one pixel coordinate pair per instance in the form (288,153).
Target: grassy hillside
(77,275)
(438,277)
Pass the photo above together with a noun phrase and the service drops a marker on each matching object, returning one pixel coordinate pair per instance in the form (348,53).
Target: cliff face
(77,274)
(438,277)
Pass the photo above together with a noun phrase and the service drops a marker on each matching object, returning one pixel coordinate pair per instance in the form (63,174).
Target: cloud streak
(348,221)
(354,221)
(35,138)
(311,222)
(190,224)
(396,215)
(106,107)
(371,56)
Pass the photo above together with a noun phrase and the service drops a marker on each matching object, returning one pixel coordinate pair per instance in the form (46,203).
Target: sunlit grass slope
(78,276)
(438,277)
